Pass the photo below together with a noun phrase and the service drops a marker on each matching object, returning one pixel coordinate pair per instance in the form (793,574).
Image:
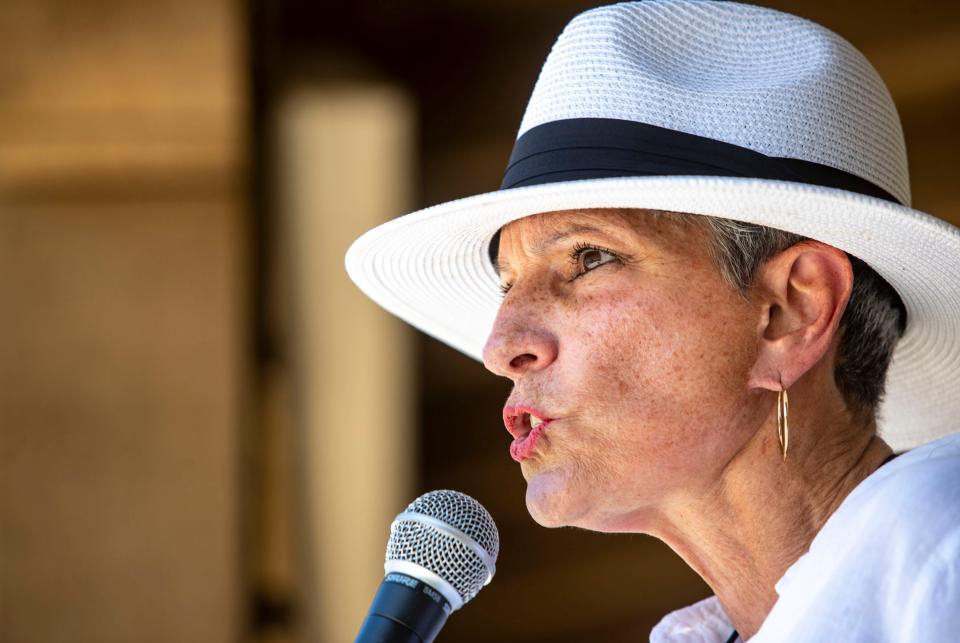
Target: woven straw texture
(746,75)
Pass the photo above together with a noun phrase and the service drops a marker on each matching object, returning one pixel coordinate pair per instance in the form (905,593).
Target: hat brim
(431,268)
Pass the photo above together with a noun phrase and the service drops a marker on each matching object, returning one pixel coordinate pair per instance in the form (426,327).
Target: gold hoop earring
(783,425)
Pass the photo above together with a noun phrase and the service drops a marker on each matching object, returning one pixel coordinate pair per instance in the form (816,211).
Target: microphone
(442,550)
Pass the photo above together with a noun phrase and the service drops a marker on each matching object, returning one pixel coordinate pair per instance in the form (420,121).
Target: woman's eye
(587,258)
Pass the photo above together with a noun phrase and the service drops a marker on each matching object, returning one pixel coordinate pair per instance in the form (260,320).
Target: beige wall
(344,165)
(120,337)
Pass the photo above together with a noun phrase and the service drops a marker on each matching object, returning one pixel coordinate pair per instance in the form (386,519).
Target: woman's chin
(549,500)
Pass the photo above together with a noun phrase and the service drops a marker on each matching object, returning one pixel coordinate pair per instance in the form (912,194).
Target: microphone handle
(404,610)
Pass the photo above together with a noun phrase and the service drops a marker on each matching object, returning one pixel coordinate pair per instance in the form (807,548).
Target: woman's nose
(519,343)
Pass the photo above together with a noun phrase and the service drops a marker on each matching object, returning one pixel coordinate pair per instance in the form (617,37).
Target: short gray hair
(870,327)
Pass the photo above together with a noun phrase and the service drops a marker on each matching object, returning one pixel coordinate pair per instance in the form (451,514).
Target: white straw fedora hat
(713,108)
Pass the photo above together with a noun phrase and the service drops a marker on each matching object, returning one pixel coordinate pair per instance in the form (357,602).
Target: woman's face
(620,334)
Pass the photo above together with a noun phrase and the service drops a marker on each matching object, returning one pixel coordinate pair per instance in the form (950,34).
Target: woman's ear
(803,292)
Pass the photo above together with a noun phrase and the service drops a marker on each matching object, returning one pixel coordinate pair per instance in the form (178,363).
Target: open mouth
(526,425)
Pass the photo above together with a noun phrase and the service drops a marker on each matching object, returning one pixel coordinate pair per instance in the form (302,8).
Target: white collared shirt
(885,567)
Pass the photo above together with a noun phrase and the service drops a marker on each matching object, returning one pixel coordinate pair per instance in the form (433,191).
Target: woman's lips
(521,448)
(520,421)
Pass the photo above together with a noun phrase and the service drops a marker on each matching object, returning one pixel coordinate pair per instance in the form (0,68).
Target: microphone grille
(437,550)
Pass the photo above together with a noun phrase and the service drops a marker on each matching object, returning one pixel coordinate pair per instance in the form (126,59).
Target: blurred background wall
(122,343)
(205,430)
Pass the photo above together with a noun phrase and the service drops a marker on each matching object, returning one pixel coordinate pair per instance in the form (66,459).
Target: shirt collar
(702,622)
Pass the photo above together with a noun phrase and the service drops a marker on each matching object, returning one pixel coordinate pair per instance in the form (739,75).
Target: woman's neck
(762,513)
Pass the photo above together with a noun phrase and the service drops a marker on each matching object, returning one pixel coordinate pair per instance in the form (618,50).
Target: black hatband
(589,148)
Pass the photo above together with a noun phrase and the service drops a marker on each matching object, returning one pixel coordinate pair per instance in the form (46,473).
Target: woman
(720,317)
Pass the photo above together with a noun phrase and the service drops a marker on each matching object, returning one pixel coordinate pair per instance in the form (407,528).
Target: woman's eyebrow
(542,246)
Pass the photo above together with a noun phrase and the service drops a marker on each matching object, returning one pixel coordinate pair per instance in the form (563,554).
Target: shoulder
(902,516)
(886,565)
(900,534)
(917,495)
(920,542)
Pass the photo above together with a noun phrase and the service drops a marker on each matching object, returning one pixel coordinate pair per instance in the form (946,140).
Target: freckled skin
(662,381)
(648,378)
